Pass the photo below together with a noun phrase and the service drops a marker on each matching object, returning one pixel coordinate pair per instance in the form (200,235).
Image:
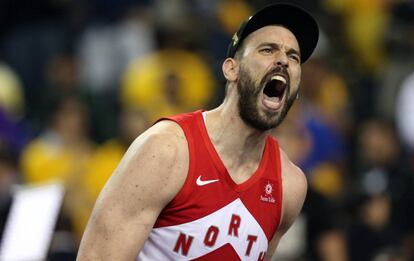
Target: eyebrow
(278,46)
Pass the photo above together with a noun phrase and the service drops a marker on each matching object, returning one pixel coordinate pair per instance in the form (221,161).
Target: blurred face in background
(133,123)
(378,142)
(376,211)
(70,120)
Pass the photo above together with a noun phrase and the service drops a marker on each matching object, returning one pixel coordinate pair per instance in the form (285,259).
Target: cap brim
(297,20)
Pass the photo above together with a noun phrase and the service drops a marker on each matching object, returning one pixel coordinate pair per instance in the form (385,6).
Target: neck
(231,136)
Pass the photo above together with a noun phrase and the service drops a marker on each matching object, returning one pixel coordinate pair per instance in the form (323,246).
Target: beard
(248,103)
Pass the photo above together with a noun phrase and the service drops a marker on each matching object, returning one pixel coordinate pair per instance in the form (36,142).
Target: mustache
(281,70)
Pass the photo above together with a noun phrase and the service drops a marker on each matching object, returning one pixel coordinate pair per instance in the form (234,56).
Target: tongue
(273,103)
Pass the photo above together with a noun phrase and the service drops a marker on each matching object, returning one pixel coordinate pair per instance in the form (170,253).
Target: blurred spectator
(13,134)
(325,234)
(365,25)
(404,114)
(371,233)
(293,136)
(61,72)
(8,177)
(12,99)
(231,13)
(325,231)
(113,10)
(325,112)
(167,82)
(316,130)
(135,61)
(105,49)
(62,152)
(27,50)
(400,50)
(314,135)
(385,211)
(13,131)
(107,156)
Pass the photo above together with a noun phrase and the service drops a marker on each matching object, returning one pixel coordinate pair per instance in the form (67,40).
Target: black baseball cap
(294,18)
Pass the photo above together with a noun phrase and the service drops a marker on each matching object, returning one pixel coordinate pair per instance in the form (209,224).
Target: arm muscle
(150,174)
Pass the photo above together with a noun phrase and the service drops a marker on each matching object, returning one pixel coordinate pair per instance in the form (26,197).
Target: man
(214,185)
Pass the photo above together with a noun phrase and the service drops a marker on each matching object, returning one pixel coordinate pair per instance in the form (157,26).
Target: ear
(230,69)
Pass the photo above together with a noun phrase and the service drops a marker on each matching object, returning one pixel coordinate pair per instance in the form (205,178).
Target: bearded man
(214,185)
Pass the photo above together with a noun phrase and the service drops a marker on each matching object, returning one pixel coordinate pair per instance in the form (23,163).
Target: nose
(281,59)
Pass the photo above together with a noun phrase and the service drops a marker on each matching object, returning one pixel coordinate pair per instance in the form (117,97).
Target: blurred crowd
(79,80)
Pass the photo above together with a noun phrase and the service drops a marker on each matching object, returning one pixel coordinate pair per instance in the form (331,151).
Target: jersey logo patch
(267,194)
(200,182)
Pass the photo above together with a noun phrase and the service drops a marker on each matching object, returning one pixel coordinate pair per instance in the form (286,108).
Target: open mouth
(274,92)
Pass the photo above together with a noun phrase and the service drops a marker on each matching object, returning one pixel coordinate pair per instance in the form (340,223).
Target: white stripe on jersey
(162,241)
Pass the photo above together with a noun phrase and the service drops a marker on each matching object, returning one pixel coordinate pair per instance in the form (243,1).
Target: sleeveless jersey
(212,217)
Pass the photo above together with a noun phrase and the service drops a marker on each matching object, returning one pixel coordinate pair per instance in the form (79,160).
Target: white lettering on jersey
(232,224)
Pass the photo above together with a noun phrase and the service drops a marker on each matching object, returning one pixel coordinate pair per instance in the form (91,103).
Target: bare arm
(150,174)
(294,187)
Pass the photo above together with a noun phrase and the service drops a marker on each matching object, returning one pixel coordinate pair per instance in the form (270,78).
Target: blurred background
(80,79)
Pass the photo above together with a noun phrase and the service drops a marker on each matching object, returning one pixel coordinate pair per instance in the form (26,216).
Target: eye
(266,50)
(294,57)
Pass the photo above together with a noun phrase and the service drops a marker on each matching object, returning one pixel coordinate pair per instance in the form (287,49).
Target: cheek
(260,64)
(295,78)
(254,71)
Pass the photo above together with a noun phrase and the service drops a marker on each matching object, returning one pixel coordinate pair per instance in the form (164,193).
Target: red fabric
(261,193)
(225,252)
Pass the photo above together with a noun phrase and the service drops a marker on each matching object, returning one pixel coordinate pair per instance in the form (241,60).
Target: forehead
(272,34)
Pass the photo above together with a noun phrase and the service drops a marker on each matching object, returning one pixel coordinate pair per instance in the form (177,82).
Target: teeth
(279,78)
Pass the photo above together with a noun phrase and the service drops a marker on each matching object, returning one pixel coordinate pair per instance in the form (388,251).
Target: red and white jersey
(212,217)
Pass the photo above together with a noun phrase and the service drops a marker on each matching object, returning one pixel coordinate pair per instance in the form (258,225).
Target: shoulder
(150,174)
(164,143)
(165,138)
(294,187)
(291,172)
(157,158)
